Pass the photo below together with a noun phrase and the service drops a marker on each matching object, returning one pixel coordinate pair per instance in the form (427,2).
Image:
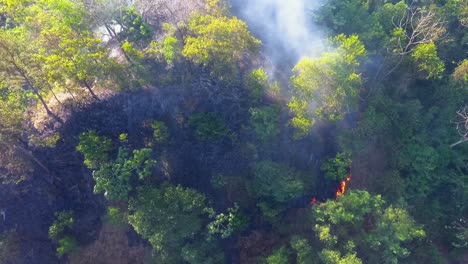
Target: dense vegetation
(154,132)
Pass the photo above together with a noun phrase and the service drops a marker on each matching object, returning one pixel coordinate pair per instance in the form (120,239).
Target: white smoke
(284,26)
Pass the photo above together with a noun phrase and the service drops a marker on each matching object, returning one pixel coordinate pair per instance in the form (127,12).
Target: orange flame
(339,192)
(342,189)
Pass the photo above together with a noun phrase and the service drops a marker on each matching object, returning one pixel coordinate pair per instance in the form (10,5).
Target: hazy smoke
(284,26)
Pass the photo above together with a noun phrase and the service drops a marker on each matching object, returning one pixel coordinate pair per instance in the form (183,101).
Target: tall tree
(218,42)
(360,223)
(171,218)
(331,81)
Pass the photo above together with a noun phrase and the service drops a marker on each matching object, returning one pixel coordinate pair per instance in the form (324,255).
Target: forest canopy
(175,131)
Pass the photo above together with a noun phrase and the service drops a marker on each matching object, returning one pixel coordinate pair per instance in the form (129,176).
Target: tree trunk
(36,92)
(44,104)
(86,84)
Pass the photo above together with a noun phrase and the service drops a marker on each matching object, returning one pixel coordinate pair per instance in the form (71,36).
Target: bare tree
(462,125)
(417,26)
(172,11)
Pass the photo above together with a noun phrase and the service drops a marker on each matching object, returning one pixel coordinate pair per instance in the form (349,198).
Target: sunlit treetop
(361,223)
(217,38)
(331,81)
(218,42)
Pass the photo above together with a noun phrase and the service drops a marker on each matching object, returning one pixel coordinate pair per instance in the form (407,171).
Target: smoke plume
(284,26)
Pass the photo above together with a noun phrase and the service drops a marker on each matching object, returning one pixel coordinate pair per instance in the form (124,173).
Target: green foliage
(337,168)
(94,148)
(303,250)
(160,131)
(206,252)
(300,121)
(400,138)
(135,55)
(48,142)
(208,126)
(134,28)
(170,217)
(12,128)
(59,230)
(123,138)
(279,256)
(276,181)
(389,13)
(461,72)
(360,220)
(63,223)
(226,224)
(257,82)
(337,14)
(216,7)
(170,49)
(425,56)
(66,245)
(114,178)
(266,121)
(334,257)
(114,217)
(217,42)
(52,49)
(331,81)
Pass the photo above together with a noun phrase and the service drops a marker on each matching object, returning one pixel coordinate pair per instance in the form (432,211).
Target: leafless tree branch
(461,125)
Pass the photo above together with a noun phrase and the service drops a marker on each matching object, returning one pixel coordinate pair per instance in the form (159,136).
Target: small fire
(342,189)
(314,201)
(339,192)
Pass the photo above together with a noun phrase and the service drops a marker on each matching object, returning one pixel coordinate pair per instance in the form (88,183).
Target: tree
(303,250)
(160,131)
(265,122)
(60,230)
(335,257)
(417,26)
(337,14)
(331,81)
(358,222)
(58,50)
(134,29)
(274,184)
(276,181)
(257,82)
(113,178)
(171,218)
(106,13)
(217,42)
(209,126)
(461,72)
(427,61)
(15,158)
(301,121)
(225,224)
(95,149)
(18,67)
(337,168)
(279,256)
(68,51)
